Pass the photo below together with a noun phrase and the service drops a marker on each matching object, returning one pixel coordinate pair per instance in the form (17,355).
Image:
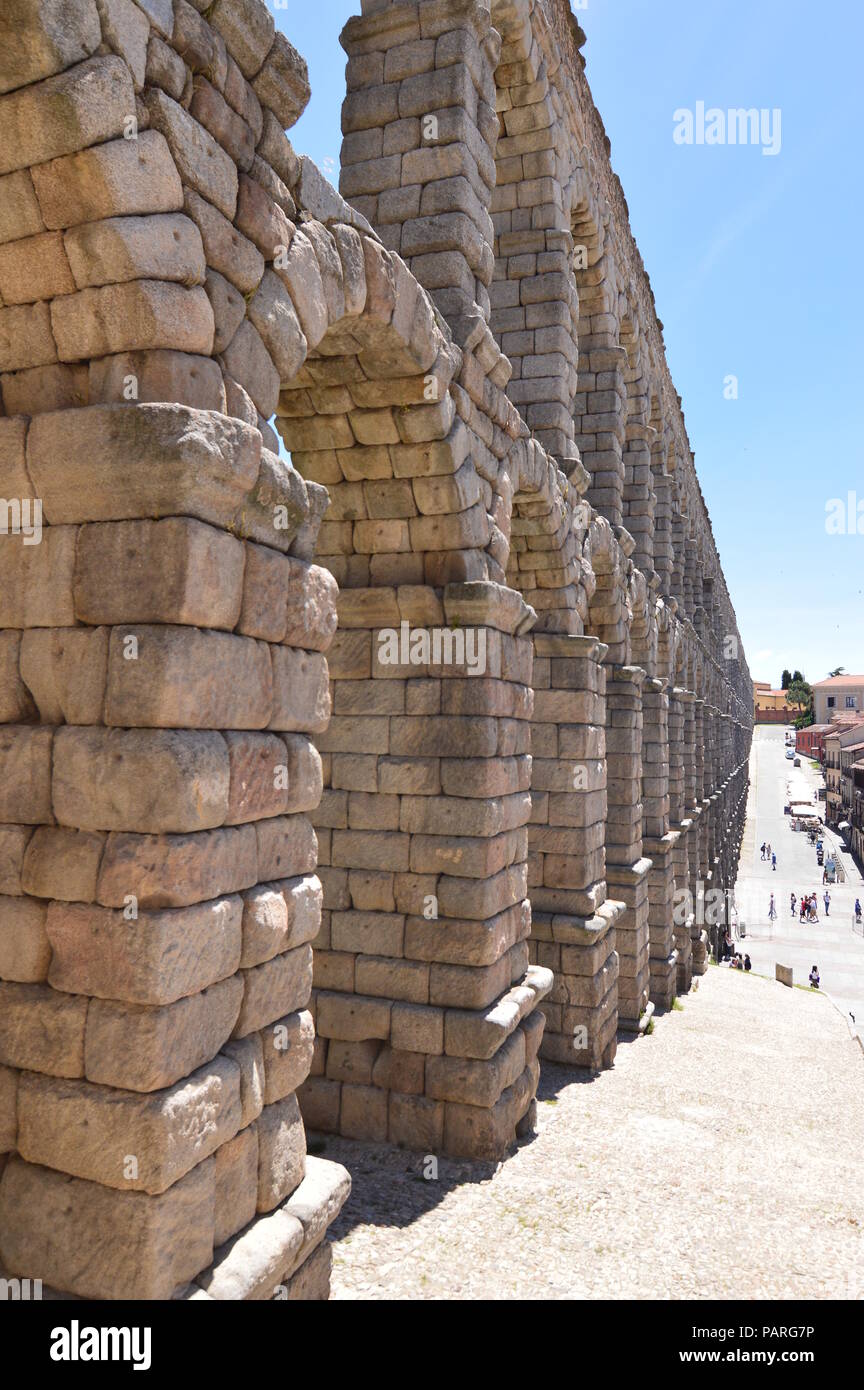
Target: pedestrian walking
(814,978)
(772,910)
(774,863)
(763,849)
(827,902)
(747,965)
(792,902)
(857,913)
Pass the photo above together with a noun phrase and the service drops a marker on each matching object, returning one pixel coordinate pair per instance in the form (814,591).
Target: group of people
(767,853)
(735,959)
(807,906)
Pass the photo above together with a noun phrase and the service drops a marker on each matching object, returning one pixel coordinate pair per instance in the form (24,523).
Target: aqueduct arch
(235,882)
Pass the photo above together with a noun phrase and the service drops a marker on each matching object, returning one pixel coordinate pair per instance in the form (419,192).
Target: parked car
(790,753)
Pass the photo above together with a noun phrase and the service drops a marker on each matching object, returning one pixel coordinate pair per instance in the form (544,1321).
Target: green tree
(785,679)
(800,694)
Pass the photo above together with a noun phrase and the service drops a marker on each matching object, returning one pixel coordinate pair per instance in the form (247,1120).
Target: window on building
(830,701)
(850,701)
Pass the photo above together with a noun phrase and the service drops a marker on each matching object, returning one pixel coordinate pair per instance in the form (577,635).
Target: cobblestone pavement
(722,1156)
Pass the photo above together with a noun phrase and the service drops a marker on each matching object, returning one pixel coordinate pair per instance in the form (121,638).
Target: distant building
(810,742)
(839,695)
(844,747)
(772,706)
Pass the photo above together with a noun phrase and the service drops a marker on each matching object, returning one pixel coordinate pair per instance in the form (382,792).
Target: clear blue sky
(756,265)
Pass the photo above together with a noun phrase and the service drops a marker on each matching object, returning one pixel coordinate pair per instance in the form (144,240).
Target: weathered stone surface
(280,986)
(13,846)
(84,105)
(41,39)
(258,774)
(227,250)
(36,580)
(126,29)
(248,362)
(301,693)
(34,268)
(42,1030)
(125,1141)
(157,375)
(64,670)
(120,178)
(282,84)
(140,314)
(281,1152)
(247,28)
(202,163)
(273,314)
(229,308)
(16,702)
(301,273)
(63,864)
(287,1046)
(25,953)
(25,337)
(163,247)
(139,779)
(25,774)
(153,958)
(174,679)
(173,571)
(144,1048)
(176,870)
(248,1056)
(98,1243)
(252,1265)
(279,916)
(19,207)
(111,463)
(236,1183)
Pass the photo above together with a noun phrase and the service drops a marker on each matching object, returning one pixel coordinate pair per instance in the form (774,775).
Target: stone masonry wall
(236,883)
(162,663)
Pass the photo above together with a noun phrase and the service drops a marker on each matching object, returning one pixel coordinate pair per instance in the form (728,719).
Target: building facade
(403,743)
(772,706)
(839,695)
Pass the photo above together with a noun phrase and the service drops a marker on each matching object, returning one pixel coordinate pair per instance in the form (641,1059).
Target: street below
(832,943)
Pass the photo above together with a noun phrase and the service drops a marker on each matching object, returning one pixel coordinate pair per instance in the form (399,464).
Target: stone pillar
(658,842)
(424,998)
(418,154)
(158,863)
(680,826)
(573,925)
(700,869)
(626,869)
(163,662)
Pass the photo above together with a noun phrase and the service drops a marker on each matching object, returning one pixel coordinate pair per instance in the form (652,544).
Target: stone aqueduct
(236,887)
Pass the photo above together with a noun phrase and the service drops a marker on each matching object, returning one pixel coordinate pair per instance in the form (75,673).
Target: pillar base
(279,1255)
(581,1009)
(466,1098)
(663,980)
